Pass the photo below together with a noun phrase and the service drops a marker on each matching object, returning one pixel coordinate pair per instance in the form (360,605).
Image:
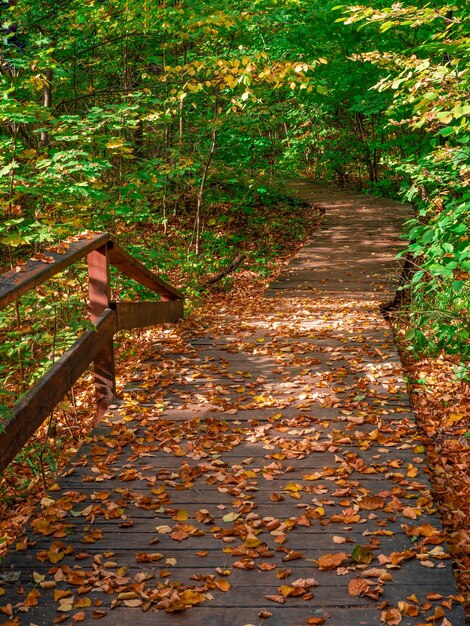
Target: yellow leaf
(181,516)
(293,487)
(115,143)
(252,542)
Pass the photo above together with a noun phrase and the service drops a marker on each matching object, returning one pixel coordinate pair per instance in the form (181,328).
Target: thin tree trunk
(47,101)
(200,194)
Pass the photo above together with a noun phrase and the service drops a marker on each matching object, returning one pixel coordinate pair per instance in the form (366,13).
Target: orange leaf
(392,617)
(357,587)
(223,585)
(292,555)
(331,561)
(372,503)
(61,593)
(276,598)
(266,567)
(144,557)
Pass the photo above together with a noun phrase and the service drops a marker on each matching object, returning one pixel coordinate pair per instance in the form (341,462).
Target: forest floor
(440,400)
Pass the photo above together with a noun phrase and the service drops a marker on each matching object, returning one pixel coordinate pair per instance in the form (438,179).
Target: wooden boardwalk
(284,484)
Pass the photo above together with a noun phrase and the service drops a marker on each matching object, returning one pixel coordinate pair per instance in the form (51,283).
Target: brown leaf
(377,572)
(305,583)
(357,587)
(292,555)
(280,599)
(244,564)
(146,557)
(371,503)
(267,567)
(99,613)
(409,512)
(331,561)
(391,617)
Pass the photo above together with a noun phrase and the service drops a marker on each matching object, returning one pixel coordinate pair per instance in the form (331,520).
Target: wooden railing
(93,346)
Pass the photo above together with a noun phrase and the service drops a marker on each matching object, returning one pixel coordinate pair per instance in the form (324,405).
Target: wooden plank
(141,314)
(207,615)
(14,284)
(30,412)
(100,294)
(136,270)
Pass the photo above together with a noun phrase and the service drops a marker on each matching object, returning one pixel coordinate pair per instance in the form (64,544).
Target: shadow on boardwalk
(284,481)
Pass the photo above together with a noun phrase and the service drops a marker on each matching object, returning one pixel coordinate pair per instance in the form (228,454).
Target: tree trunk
(47,101)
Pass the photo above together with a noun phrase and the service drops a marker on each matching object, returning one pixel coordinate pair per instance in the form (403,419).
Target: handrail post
(100,298)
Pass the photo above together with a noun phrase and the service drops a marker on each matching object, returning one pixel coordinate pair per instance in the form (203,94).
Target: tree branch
(230,268)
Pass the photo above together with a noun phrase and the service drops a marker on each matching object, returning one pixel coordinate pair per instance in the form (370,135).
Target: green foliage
(430,83)
(141,117)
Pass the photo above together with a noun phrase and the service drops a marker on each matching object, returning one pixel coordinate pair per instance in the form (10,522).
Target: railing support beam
(100,298)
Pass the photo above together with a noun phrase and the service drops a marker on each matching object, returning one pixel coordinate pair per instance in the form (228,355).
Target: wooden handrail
(14,284)
(133,268)
(94,346)
(34,407)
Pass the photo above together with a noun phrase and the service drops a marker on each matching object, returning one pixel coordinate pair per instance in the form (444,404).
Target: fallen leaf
(391,617)
(331,561)
(145,557)
(357,587)
(371,503)
(279,599)
(362,554)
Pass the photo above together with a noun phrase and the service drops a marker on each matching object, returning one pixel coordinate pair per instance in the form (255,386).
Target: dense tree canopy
(118,115)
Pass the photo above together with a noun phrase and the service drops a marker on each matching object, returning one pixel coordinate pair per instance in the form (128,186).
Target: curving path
(264,468)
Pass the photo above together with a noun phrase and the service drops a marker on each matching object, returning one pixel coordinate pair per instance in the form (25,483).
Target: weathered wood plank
(33,408)
(141,314)
(133,268)
(14,284)
(401,578)
(255,596)
(206,615)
